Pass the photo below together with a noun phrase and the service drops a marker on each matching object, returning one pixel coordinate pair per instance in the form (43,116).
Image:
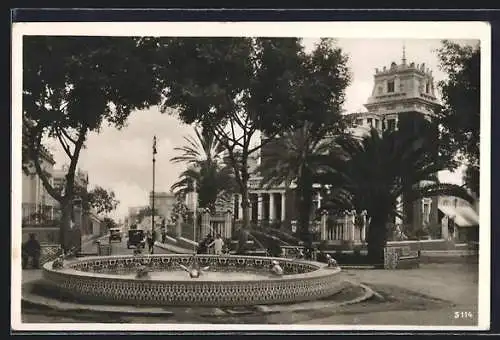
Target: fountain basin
(230,280)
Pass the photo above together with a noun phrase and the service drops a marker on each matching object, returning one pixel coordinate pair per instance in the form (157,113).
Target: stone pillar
(324,219)
(363,229)
(444,227)
(205,224)
(228,225)
(283,208)
(271,207)
(178,227)
(346,227)
(353,226)
(250,205)
(240,208)
(259,206)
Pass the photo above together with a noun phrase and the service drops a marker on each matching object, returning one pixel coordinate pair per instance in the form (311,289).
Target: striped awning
(463,216)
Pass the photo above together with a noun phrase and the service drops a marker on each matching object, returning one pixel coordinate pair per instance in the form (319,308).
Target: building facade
(403,97)
(164,203)
(37,205)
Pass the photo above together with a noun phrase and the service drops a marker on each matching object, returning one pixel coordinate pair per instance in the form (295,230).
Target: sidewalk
(30,275)
(173,249)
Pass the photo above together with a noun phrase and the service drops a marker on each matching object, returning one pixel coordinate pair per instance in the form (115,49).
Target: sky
(121,160)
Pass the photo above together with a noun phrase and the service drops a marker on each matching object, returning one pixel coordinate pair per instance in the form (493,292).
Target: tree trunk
(377,238)
(408,227)
(304,206)
(245,203)
(64,230)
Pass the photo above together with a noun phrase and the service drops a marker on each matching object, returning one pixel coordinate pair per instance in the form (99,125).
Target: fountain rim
(321,270)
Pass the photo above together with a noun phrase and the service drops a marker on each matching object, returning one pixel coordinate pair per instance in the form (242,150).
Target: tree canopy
(240,87)
(373,173)
(100,199)
(460,113)
(73,85)
(204,157)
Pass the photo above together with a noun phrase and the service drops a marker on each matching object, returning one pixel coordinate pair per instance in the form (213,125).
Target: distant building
(133,213)
(59,180)
(459,219)
(37,204)
(164,203)
(145,224)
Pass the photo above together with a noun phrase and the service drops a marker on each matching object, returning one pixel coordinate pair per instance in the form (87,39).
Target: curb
(25,302)
(368,293)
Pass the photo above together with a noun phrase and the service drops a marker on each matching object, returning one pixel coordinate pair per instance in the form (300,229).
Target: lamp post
(195,213)
(153,197)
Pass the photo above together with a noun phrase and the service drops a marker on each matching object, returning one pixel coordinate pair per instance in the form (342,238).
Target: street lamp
(153,197)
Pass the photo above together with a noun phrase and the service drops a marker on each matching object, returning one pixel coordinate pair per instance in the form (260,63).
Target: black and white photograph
(250,176)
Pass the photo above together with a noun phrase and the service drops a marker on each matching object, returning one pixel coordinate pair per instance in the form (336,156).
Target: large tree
(235,88)
(73,85)
(373,173)
(460,114)
(297,154)
(99,199)
(204,156)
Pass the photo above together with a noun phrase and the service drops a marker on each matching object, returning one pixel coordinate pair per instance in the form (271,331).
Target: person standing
(150,241)
(163,236)
(218,243)
(31,249)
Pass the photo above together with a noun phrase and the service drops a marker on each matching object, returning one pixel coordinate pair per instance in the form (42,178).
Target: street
(117,248)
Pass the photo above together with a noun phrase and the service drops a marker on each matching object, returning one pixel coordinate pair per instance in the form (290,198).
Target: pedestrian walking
(218,243)
(150,241)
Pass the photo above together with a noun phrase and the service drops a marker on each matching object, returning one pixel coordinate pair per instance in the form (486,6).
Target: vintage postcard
(244,176)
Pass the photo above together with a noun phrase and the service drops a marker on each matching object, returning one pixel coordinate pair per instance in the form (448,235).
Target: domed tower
(403,91)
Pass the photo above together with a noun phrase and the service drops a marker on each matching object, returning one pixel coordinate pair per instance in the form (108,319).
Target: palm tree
(298,156)
(204,156)
(380,169)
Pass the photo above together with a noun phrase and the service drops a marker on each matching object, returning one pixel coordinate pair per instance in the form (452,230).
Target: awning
(463,216)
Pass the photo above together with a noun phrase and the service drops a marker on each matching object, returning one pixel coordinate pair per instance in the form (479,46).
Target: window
(390,86)
(359,121)
(370,122)
(380,90)
(427,87)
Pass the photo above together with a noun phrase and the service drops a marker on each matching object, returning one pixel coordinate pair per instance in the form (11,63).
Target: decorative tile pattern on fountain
(117,290)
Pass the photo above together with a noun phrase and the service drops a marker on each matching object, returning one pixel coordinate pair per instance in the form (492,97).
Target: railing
(48,235)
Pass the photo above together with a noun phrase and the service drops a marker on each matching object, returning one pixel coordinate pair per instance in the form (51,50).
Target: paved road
(117,248)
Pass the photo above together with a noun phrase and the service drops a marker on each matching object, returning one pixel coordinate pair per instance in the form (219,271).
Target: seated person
(276,268)
(331,261)
(31,249)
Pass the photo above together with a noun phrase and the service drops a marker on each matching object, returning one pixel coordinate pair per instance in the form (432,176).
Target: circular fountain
(227,281)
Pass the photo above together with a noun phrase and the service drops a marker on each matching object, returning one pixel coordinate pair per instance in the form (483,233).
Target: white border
(407,30)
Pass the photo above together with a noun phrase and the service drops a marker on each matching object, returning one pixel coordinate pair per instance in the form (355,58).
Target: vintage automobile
(136,238)
(115,234)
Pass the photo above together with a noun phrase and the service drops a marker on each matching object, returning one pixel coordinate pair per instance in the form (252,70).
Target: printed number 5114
(463,315)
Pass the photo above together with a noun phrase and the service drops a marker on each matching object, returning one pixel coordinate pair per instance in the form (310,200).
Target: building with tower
(404,98)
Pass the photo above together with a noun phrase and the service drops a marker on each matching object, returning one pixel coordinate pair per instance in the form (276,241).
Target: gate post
(228,218)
